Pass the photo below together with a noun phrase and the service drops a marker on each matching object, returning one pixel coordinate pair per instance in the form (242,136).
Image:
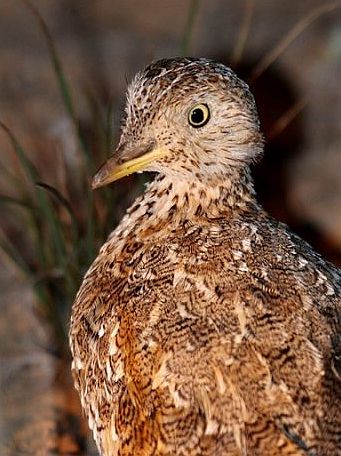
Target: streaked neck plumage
(168,202)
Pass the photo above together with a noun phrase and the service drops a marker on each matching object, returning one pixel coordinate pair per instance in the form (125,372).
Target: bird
(204,326)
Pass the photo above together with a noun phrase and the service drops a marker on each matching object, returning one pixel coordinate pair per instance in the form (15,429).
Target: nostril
(130,151)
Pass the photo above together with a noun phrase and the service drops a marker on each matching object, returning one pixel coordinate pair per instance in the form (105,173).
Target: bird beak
(127,160)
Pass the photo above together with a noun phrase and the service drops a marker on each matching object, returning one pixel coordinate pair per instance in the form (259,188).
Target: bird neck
(171,201)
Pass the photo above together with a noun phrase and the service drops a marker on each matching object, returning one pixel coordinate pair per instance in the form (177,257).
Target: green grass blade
(28,167)
(62,81)
(192,13)
(51,310)
(34,225)
(44,206)
(56,230)
(14,255)
(243,33)
(63,85)
(5,199)
(67,98)
(63,201)
(13,180)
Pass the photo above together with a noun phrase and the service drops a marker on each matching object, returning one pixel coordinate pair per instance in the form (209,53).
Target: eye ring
(199,115)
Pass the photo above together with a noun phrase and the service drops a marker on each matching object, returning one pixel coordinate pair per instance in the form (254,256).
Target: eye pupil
(199,115)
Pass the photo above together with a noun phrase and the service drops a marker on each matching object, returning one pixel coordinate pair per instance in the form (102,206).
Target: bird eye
(199,115)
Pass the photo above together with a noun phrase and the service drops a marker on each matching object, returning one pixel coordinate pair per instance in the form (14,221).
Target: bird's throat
(171,202)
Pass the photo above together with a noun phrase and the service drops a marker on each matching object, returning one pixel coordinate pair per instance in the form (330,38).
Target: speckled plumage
(205,327)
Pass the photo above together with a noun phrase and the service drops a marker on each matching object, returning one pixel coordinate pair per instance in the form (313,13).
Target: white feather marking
(108,369)
(246,244)
(330,289)
(237,254)
(183,311)
(112,342)
(243,267)
(240,312)
(211,427)
(119,373)
(101,331)
(302,262)
(178,277)
(77,364)
(161,374)
(178,401)
(220,380)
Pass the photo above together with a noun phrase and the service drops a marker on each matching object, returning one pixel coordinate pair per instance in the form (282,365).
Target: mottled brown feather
(205,327)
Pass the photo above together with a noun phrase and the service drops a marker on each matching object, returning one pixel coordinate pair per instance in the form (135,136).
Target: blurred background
(64,69)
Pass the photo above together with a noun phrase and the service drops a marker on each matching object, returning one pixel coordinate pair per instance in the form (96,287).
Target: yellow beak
(112,170)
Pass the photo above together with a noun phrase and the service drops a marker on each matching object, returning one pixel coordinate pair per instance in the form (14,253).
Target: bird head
(186,118)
